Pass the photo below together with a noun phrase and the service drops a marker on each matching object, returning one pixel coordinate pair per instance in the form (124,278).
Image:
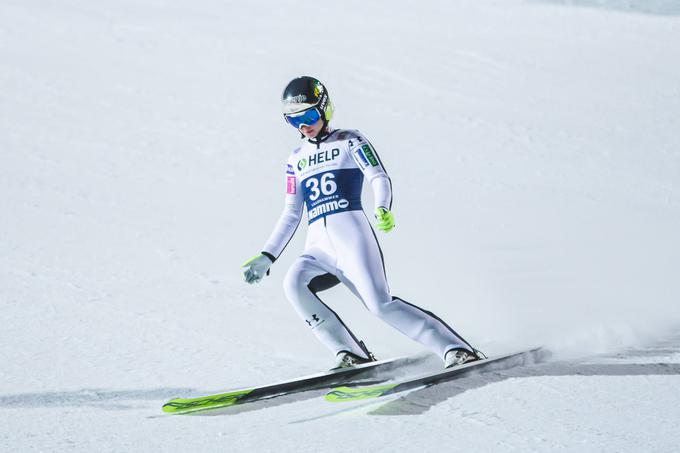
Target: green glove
(385,219)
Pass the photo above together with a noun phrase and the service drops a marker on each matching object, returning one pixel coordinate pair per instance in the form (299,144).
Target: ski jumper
(341,246)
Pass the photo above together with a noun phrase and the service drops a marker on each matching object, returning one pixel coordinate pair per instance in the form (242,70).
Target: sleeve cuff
(270,256)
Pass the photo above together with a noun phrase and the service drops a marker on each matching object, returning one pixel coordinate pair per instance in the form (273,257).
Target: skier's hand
(385,219)
(256,268)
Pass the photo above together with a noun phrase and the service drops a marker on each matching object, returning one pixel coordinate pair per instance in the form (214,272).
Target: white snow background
(534,148)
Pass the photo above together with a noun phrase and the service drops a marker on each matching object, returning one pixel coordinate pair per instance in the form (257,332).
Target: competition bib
(332,191)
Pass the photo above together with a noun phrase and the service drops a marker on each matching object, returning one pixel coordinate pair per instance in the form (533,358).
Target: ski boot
(346,359)
(459,356)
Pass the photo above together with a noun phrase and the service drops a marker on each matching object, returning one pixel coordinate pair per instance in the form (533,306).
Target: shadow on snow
(653,7)
(107,399)
(420,401)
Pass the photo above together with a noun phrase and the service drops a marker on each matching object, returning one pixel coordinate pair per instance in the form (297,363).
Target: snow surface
(535,156)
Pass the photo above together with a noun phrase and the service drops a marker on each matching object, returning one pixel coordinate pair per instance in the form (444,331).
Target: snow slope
(535,156)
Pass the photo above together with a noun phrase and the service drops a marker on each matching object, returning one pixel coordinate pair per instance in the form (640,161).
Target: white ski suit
(341,246)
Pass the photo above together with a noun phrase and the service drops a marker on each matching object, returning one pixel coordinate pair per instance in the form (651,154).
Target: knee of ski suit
(295,283)
(381,307)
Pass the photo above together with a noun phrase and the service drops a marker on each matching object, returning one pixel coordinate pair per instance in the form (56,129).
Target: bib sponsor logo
(290,185)
(327,208)
(302,163)
(318,158)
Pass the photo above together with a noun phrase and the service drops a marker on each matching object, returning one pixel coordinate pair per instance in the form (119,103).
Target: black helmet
(304,93)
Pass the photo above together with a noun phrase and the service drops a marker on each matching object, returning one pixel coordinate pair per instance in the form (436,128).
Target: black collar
(324,135)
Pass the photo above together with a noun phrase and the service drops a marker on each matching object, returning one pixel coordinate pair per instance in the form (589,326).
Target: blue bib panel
(332,191)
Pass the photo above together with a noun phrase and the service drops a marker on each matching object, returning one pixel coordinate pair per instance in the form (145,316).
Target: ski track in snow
(534,153)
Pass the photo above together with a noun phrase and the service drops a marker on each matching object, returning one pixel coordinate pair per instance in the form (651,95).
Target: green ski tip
(342,394)
(186,405)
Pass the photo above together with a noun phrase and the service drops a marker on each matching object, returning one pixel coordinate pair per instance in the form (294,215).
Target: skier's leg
(361,268)
(418,324)
(304,280)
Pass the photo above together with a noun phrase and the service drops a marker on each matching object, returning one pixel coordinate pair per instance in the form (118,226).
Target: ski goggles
(305,118)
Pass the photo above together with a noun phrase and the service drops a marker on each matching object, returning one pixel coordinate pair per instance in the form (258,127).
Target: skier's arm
(288,221)
(258,266)
(382,191)
(370,164)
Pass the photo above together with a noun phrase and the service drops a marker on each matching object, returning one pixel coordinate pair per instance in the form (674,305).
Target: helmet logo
(302,163)
(323,102)
(299,99)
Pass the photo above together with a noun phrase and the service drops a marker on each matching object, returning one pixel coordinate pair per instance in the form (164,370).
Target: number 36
(326,183)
